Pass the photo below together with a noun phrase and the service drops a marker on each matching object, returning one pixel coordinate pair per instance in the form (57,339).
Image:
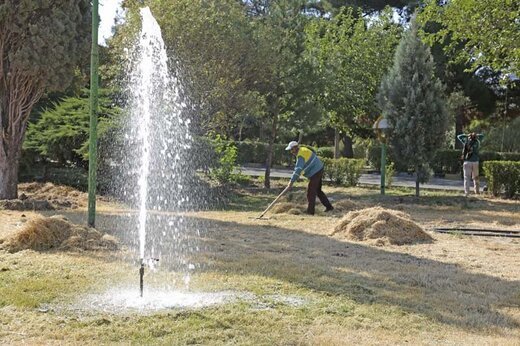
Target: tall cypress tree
(412,98)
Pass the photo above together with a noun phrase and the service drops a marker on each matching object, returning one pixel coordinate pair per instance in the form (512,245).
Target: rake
(273,202)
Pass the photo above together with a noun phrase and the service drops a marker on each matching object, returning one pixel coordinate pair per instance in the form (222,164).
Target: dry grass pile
(345,205)
(296,203)
(58,195)
(288,208)
(56,232)
(25,204)
(296,197)
(380,226)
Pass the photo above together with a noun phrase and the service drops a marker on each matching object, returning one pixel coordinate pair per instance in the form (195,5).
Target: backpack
(467,151)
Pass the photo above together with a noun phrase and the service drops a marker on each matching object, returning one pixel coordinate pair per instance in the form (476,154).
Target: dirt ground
(469,284)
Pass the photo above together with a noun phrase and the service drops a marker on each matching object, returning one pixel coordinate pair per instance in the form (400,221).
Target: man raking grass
(308,163)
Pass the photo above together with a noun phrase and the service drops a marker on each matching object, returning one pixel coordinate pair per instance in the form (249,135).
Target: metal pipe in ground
(141,277)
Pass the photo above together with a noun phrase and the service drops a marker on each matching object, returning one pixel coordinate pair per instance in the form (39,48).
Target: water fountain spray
(156,144)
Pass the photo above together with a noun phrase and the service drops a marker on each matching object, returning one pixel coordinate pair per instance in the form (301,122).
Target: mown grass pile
(56,232)
(295,203)
(380,226)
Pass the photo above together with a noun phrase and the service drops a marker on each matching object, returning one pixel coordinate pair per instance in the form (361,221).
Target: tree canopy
(41,43)
(352,54)
(487,30)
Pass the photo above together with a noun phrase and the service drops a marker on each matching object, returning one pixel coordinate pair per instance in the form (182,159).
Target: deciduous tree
(351,55)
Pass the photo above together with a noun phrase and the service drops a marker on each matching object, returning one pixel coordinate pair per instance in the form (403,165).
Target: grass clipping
(56,232)
(295,203)
(60,196)
(381,227)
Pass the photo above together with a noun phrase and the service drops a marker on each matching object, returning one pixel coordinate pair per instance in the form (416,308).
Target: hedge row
(448,161)
(445,161)
(503,177)
(343,171)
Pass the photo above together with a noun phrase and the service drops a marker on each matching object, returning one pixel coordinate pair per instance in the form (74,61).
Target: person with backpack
(470,157)
(308,163)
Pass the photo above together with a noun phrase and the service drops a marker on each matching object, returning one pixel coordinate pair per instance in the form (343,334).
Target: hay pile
(25,204)
(289,208)
(296,203)
(59,196)
(56,232)
(345,205)
(380,226)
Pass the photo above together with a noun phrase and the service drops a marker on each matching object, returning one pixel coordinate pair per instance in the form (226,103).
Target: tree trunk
(336,143)
(8,177)
(348,151)
(18,94)
(269,160)
(459,118)
(240,131)
(417,172)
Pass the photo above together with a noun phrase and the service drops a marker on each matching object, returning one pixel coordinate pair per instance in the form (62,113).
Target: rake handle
(274,202)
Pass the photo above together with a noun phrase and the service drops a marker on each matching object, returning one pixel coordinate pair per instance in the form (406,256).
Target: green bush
(343,171)
(489,156)
(503,176)
(226,151)
(62,132)
(447,161)
(326,152)
(503,137)
(510,156)
(374,158)
(256,152)
(389,174)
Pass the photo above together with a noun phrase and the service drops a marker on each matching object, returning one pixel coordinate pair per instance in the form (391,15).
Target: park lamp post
(92,152)
(381,127)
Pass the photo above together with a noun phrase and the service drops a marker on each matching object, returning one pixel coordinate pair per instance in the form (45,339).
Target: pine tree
(412,98)
(62,132)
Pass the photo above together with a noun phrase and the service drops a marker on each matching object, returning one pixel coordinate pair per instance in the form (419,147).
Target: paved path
(401,179)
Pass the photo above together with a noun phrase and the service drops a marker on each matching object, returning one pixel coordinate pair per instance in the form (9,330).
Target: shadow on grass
(443,292)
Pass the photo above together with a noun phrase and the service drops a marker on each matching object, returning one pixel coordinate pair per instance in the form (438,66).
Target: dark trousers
(313,189)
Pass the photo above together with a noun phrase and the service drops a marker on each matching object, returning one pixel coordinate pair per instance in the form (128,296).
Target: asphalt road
(400,179)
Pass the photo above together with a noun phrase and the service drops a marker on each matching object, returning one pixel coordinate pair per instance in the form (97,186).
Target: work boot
(331,208)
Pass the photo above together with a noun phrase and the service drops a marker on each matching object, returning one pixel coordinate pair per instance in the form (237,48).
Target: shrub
(503,137)
(326,152)
(389,174)
(503,176)
(510,156)
(374,156)
(489,156)
(223,173)
(203,155)
(343,171)
(256,152)
(447,161)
